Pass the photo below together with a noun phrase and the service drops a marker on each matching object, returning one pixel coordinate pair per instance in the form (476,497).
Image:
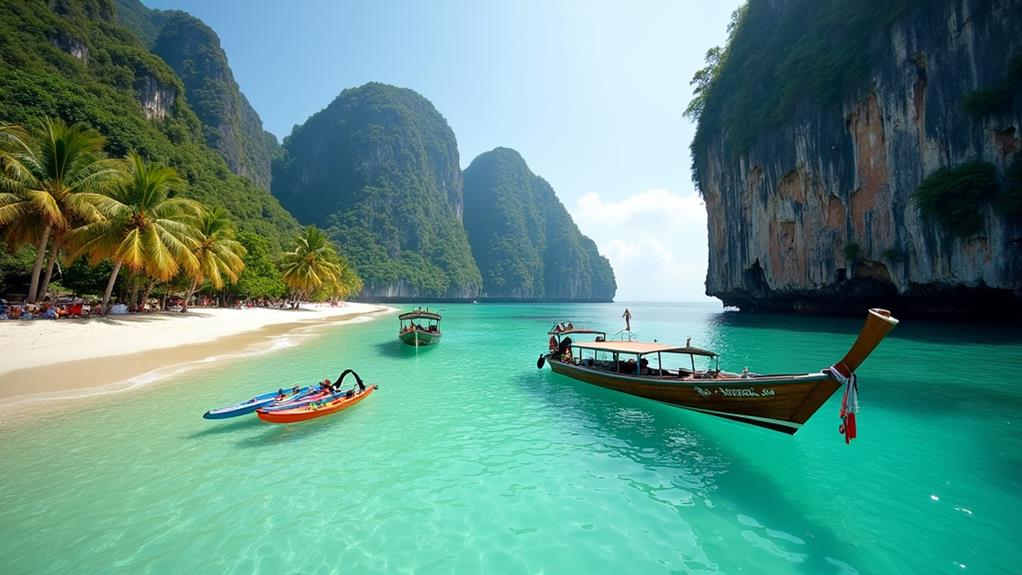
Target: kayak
(259,401)
(327,406)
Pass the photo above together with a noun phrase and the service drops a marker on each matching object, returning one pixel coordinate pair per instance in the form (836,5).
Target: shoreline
(156,357)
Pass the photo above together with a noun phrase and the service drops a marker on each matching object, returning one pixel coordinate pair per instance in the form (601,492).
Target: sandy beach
(46,357)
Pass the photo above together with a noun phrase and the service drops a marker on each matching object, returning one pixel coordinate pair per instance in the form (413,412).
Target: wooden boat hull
(312,411)
(419,338)
(778,402)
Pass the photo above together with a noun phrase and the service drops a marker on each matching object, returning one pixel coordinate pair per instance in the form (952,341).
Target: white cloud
(656,241)
(654,203)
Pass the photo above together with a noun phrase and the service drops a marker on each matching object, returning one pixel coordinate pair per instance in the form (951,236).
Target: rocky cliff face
(157,99)
(524,240)
(817,213)
(379,168)
(230,124)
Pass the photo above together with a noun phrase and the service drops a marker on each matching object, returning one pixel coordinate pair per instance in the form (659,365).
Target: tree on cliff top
(781,55)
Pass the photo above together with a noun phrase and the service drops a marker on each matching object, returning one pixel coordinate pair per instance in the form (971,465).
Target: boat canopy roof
(419,314)
(641,347)
(574,330)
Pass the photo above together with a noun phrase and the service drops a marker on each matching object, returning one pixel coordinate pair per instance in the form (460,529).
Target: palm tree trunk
(54,252)
(145,296)
(191,291)
(37,267)
(133,290)
(110,285)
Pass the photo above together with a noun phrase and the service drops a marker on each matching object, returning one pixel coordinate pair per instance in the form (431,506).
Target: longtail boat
(782,402)
(329,404)
(420,327)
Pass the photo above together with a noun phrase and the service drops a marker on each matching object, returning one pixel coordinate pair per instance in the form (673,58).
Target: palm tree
(350,281)
(142,228)
(218,253)
(312,263)
(45,177)
(20,225)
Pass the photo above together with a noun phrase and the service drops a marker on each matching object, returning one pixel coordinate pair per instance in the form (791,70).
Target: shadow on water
(279,434)
(218,427)
(661,436)
(398,349)
(916,330)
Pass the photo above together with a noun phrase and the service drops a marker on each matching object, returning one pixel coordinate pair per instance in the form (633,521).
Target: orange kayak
(314,410)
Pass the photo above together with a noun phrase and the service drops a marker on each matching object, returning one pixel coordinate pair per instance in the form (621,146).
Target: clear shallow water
(469,459)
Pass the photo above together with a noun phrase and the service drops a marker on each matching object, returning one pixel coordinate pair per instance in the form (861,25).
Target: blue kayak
(264,400)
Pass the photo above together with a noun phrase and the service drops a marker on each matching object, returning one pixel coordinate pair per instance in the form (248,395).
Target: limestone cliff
(192,49)
(814,210)
(379,169)
(524,240)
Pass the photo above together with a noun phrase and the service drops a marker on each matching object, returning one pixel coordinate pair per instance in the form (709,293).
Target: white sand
(40,343)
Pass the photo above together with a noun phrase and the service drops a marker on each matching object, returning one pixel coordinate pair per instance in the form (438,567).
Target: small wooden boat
(782,402)
(420,327)
(281,396)
(324,405)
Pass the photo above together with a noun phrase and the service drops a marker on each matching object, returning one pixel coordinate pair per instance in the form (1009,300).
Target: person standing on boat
(326,387)
(628,320)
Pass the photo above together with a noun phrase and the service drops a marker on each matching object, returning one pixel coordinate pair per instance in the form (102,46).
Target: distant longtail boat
(782,402)
(420,327)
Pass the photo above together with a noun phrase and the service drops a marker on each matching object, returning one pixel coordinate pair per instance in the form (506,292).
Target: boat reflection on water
(696,468)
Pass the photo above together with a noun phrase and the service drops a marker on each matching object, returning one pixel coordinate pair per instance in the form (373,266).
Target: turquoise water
(469,460)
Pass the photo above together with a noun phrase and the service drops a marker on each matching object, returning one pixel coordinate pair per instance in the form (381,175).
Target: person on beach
(628,320)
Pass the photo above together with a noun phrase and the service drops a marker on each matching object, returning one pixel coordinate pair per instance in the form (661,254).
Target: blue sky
(590,93)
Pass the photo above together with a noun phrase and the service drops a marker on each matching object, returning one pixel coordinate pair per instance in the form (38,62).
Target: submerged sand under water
(468,459)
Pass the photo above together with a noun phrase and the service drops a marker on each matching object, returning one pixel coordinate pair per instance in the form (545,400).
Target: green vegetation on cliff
(524,240)
(144,21)
(229,123)
(781,56)
(72,59)
(379,167)
(955,196)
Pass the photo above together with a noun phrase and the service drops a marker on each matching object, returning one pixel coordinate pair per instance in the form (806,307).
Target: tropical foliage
(217,253)
(142,228)
(260,278)
(132,214)
(74,60)
(47,179)
(312,264)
